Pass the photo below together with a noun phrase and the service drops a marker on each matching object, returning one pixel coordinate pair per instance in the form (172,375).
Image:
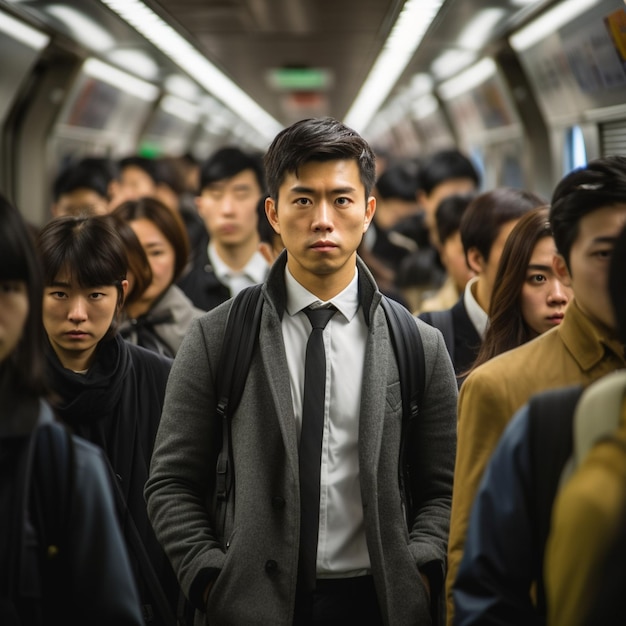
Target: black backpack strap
(409,351)
(240,338)
(550,423)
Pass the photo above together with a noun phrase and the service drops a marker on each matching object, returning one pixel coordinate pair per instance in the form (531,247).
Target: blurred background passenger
(172,189)
(485,226)
(158,318)
(451,254)
(231,184)
(107,390)
(137,178)
(84,187)
(442,174)
(139,274)
(528,299)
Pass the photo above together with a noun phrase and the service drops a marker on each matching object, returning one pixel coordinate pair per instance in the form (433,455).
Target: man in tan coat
(588,211)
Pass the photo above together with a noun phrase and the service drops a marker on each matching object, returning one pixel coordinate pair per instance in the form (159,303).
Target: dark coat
(466,340)
(117,406)
(201,285)
(97,586)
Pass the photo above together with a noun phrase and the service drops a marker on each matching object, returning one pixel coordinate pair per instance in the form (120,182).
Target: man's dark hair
(449,213)
(89,173)
(317,139)
(445,165)
(487,212)
(398,180)
(143,163)
(601,183)
(228,162)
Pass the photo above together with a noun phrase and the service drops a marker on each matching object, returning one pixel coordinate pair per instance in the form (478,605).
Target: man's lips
(324,245)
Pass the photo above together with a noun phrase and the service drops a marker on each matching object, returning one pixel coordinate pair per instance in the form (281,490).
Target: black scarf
(92,396)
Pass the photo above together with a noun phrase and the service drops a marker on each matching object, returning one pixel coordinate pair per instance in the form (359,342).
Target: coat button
(278,502)
(271,566)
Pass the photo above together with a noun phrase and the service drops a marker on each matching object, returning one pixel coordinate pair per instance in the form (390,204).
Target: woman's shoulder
(148,361)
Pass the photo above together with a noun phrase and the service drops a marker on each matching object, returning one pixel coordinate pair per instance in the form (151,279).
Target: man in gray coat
(368,567)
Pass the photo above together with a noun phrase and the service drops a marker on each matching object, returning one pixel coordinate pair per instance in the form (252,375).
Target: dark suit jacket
(201,285)
(465,338)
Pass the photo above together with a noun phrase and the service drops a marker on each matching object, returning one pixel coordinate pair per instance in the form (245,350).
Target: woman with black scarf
(108,391)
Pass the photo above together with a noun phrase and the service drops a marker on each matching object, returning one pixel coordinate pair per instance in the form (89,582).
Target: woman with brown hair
(527,298)
(160,316)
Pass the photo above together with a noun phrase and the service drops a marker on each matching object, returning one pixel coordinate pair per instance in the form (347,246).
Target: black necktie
(311,443)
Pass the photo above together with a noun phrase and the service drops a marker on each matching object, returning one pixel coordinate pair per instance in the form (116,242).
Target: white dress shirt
(342,550)
(475,312)
(254,272)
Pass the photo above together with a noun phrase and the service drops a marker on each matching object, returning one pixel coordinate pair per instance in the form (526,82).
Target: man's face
(134,183)
(430,202)
(229,209)
(589,260)
(487,269)
(453,259)
(321,215)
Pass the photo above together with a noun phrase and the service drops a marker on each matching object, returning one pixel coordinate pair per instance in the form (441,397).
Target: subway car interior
(528,88)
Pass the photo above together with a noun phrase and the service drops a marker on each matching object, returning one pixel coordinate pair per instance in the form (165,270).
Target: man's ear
(272,213)
(370,209)
(561,270)
(475,260)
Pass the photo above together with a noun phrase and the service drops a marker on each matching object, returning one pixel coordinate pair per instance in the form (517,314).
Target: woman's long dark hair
(18,261)
(507,328)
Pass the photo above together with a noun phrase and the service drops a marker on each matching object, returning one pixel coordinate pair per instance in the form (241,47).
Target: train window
(575,154)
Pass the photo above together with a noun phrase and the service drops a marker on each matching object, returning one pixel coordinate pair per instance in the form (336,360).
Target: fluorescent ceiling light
(421,84)
(406,35)
(189,59)
(470,78)
(182,87)
(549,23)
(181,109)
(143,65)
(425,106)
(111,75)
(83,29)
(23,33)
(477,31)
(450,62)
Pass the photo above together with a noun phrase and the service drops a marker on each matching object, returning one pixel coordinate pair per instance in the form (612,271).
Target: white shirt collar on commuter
(298,297)
(477,315)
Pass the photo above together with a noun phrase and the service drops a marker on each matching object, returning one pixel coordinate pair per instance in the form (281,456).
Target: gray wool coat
(254,568)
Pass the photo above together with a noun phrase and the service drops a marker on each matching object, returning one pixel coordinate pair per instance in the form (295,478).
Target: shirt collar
(298,297)
(475,312)
(255,269)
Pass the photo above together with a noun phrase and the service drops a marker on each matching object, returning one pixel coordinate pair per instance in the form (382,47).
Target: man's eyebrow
(304,189)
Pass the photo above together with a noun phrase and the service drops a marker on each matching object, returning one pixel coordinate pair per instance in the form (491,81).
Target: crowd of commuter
(113,318)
